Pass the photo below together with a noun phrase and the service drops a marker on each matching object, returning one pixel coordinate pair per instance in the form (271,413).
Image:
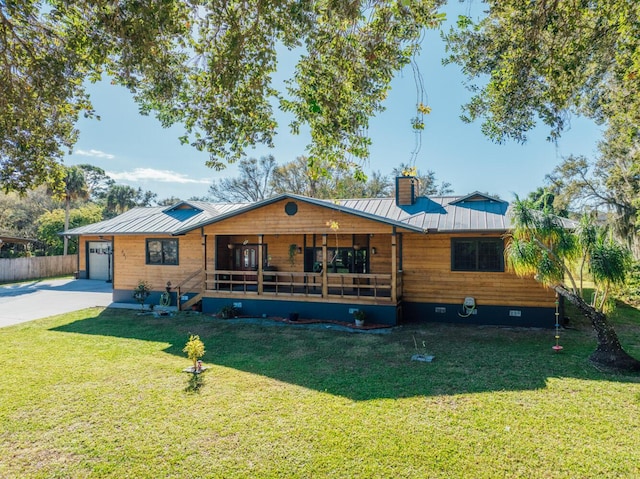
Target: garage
(99,260)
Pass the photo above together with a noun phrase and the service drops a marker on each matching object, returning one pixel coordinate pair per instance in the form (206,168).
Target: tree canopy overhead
(545,59)
(205,64)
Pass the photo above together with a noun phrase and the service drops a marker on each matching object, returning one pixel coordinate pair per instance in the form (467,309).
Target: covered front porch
(285,271)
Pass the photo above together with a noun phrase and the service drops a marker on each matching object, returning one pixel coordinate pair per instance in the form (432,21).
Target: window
(344,260)
(477,254)
(162,251)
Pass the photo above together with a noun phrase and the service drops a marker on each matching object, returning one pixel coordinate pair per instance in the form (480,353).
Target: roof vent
(406,190)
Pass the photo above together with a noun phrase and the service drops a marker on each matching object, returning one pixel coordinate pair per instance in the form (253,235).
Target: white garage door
(99,260)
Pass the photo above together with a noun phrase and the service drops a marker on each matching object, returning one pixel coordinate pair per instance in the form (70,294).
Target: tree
(546,59)
(428,185)
(98,182)
(299,178)
(206,65)
(75,187)
(52,223)
(121,198)
(17,212)
(609,184)
(172,200)
(541,245)
(544,198)
(346,186)
(253,184)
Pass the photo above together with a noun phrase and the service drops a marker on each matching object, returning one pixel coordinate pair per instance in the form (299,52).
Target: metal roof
(476,212)
(158,219)
(441,213)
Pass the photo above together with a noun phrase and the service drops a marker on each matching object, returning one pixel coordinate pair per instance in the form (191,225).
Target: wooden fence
(21,269)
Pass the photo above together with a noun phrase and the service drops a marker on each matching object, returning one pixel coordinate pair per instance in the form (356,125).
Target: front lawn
(100,393)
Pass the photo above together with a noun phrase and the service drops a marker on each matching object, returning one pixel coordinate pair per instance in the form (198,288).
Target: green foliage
(293,250)
(98,182)
(207,66)
(545,59)
(194,349)
(17,212)
(610,183)
(542,245)
(121,198)
(630,292)
(228,311)
(141,292)
(52,223)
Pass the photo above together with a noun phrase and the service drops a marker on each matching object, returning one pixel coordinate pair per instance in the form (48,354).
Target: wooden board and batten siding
(428,278)
(130,261)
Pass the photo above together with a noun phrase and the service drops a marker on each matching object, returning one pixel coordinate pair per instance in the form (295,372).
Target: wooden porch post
(204,259)
(260,263)
(394,267)
(325,285)
(214,261)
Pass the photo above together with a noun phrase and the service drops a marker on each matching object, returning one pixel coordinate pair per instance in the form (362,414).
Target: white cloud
(94,154)
(149,174)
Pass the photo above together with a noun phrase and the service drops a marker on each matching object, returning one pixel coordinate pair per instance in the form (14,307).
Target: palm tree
(121,198)
(75,188)
(542,245)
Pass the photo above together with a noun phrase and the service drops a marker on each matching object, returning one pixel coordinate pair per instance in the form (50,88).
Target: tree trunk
(609,352)
(65,240)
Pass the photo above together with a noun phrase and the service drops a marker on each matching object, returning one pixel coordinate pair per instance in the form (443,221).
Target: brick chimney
(406,190)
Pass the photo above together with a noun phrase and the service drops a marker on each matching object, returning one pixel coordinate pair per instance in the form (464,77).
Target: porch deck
(370,288)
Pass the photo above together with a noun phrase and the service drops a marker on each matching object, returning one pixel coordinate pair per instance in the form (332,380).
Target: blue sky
(137,151)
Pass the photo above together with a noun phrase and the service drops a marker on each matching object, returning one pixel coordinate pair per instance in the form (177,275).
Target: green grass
(100,393)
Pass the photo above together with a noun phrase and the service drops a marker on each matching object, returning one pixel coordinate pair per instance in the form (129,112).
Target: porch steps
(188,304)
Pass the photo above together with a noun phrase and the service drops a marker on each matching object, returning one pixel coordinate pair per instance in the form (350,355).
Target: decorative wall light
(373,250)
(231,246)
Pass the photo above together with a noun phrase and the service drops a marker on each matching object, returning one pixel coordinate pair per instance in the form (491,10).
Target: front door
(246,259)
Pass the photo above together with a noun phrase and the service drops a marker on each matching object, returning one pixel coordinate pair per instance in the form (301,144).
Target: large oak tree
(205,64)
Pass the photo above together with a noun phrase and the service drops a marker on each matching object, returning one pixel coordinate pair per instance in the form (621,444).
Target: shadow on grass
(468,359)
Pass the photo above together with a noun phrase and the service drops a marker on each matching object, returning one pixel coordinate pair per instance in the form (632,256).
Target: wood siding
(425,259)
(428,277)
(272,219)
(130,263)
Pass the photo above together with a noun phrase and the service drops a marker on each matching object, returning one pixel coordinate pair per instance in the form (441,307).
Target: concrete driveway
(22,302)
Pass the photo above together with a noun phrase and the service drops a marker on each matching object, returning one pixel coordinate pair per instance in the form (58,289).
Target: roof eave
(305,199)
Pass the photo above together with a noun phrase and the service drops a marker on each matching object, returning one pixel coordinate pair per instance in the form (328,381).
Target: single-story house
(398,259)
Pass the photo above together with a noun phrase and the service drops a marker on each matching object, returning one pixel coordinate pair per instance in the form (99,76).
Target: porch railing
(374,287)
(278,283)
(232,281)
(191,283)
